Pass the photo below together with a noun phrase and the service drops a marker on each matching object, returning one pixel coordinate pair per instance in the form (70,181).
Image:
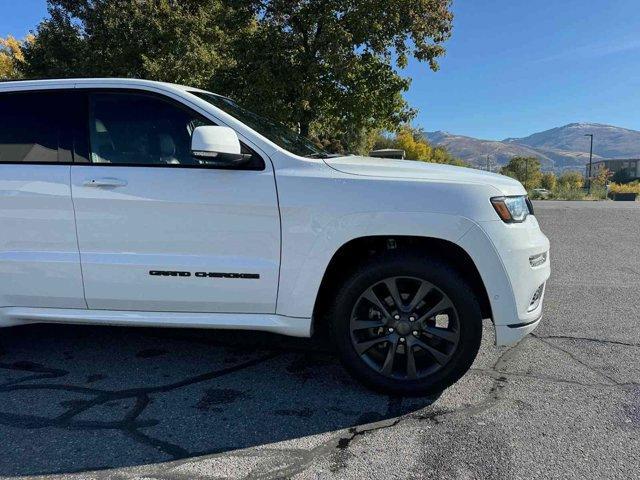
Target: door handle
(105,182)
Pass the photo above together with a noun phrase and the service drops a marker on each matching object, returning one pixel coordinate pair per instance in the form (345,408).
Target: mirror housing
(215,145)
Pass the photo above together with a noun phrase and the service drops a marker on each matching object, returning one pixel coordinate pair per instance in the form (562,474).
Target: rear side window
(34,127)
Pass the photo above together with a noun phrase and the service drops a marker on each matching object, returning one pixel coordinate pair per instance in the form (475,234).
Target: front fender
(304,262)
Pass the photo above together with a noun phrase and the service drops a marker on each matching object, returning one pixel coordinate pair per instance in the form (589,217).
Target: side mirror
(219,146)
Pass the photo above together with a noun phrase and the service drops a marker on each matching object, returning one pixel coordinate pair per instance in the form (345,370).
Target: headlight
(512,209)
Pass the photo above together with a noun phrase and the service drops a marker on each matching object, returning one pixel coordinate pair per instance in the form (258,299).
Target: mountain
(561,148)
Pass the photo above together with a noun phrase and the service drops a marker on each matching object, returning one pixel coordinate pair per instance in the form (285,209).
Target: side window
(138,129)
(33,128)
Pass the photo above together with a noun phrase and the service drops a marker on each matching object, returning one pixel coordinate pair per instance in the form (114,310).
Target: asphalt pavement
(101,402)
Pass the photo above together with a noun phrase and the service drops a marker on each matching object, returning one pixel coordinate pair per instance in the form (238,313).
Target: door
(39,260)
(160,231)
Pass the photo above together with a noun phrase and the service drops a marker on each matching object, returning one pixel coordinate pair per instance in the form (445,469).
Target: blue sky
(513,67)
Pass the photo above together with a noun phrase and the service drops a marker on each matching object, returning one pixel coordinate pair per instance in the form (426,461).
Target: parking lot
(152,403)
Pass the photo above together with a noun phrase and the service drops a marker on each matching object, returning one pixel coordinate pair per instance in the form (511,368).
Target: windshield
(276,132)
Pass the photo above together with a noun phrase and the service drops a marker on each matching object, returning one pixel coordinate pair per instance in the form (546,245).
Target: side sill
(291,326)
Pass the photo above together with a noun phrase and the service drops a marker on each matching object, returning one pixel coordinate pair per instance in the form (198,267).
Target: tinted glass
(138,129)
(276,132)
(32,127)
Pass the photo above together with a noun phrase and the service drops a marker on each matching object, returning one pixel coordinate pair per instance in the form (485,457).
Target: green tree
(571,179)
(621,176)
(184,42)
(331,67)
(524,169)
(548,180)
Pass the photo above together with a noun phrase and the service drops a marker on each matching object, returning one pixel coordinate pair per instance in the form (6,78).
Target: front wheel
(406,325)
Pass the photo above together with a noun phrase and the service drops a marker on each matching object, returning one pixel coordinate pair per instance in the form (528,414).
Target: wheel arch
(362,249)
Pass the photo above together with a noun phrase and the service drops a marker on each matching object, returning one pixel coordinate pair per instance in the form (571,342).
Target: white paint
(215,139)
(284,223)
(296,327)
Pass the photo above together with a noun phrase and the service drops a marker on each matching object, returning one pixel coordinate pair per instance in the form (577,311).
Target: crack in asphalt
(129,425)
(296,460)
(338,445)
(341,443)
(576,359)
(587,339)
(301,460)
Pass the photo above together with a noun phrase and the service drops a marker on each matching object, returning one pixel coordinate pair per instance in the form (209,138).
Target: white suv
(129,202)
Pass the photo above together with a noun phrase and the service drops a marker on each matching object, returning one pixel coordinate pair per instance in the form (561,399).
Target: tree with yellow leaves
(11,57)
(416,147)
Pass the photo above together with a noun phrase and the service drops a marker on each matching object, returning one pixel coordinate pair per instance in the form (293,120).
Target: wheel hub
(403,327)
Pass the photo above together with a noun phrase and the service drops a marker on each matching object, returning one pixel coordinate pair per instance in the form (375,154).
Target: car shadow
(78,398)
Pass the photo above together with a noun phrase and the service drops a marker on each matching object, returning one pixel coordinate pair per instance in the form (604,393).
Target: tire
(438,350)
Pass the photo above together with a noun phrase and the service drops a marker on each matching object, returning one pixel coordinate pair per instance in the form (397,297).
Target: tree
(330,66)
(416,147)
(326,67)
(571,179)
(524,169)
(602,176)
(621,176)
(182,42)
(11,57)
(548,180)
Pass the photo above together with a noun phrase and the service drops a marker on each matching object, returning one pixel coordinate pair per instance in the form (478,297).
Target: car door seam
(75,223)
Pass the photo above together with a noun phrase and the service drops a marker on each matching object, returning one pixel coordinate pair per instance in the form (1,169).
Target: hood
(415,170)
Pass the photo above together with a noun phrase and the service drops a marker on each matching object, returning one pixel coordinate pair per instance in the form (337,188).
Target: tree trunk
(304,128)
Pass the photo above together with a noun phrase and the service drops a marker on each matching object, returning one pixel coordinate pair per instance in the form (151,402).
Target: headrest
(167,145)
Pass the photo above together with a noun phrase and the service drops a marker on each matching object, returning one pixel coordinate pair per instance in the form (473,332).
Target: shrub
(549,180)
(598,192)
(571,180)
(568,192)
(633,187)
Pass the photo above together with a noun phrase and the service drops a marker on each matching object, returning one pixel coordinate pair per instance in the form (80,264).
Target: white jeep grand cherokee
(128,202)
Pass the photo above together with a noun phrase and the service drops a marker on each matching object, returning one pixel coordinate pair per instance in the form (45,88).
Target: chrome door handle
(105,182)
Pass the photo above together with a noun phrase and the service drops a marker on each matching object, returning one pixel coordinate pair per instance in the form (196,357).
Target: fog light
(537,260)
(535,300)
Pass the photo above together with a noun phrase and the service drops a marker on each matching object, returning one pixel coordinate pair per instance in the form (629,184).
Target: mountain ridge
(559,148)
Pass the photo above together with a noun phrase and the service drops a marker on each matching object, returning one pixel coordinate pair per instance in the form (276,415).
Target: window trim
(69,120)
(86,154)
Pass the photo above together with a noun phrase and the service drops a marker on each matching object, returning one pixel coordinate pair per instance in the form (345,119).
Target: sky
(512,68)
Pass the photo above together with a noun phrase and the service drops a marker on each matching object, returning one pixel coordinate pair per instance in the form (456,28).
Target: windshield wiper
(324,155)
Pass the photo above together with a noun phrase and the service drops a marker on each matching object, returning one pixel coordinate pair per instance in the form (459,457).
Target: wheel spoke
(425,287)
(373,298)
(362,347)
(387,367)
(392,286)
(357,324)
(438,356)
(411,363)
(448,335)
(441,306)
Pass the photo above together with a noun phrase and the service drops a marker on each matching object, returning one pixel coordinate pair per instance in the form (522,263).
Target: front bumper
(502,254)
(510,334)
